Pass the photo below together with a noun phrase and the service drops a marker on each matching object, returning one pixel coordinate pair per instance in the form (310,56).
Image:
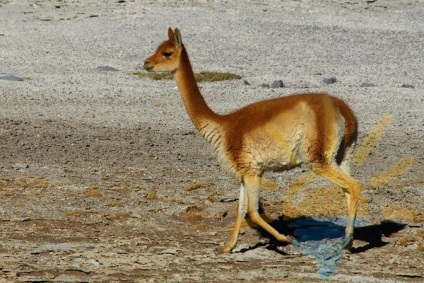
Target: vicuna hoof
(348,242)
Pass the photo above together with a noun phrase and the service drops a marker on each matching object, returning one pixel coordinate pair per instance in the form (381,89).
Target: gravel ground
(103,178)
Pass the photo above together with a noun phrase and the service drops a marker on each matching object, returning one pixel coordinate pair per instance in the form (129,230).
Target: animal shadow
(315,229)
(373,234)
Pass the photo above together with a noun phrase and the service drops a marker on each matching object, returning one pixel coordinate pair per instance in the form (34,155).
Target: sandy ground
(103,178)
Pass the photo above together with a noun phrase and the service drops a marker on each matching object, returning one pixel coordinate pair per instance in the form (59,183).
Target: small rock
(393,260)
(265,85)
(329,81)
(106,69)
(46,19)
(246,82)
(367,85)
(225,200)
(277,84)
(11,78)
(170,251)
(20,166)
(93,262)
(407,86)
(144,260)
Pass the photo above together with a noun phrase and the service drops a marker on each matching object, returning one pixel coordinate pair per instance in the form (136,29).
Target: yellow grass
(395,212)
(152,194)
(299,184)
(205,76)
(397,169)
(120,215)
(197,186)
(323,202)
(269,185)
(371,139)
(93,192)
(116,204)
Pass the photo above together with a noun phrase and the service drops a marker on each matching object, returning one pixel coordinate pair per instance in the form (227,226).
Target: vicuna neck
(195,104)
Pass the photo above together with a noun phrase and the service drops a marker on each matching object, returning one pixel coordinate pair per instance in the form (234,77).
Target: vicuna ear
(178,38)
(171,36)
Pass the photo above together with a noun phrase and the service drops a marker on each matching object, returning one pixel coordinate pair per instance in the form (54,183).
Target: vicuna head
(166,57)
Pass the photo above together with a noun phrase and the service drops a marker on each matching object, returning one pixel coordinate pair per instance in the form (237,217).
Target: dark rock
(106,69)
(246,82)
(277,84)
(265,85)
(329,81)
(407,86)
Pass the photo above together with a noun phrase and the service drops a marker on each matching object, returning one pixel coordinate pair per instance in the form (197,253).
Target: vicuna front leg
(241,214)
(249,195)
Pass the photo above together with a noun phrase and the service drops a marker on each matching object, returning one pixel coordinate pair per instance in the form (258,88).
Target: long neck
(195,104)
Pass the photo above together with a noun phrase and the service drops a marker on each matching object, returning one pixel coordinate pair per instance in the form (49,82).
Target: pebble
(367,85)
(106,69)
(20,166)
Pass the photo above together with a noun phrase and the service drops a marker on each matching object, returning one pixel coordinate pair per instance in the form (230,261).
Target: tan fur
(278,134)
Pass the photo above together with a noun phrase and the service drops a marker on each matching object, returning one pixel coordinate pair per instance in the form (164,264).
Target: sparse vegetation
(120,215)
(205,76)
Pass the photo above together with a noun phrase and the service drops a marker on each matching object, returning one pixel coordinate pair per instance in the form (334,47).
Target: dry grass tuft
(24,182)
(269,185)
(323,202)
(371,139)
(395,212)
(420,235)
(152,194)
(120,215)
(193,213)
(93,192)
(205,76)
(397,169)
(116,204)
(197,186)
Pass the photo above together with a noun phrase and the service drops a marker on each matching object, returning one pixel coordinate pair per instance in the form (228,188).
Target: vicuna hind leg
(351,188)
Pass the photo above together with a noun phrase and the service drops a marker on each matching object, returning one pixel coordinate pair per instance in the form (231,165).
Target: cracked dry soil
(133,205)
(103,178)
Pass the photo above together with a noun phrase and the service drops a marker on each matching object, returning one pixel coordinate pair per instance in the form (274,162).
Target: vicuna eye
(167,54)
